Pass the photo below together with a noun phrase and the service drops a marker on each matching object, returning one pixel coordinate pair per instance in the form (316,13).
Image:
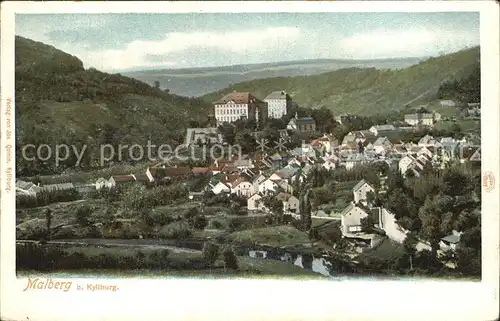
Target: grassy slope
(366,91)
(272,236)
(58,100)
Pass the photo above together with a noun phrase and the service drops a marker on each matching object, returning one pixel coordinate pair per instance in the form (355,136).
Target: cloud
(387,43)
(138,53)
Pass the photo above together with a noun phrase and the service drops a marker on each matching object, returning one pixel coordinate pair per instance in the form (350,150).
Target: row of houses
(352,215)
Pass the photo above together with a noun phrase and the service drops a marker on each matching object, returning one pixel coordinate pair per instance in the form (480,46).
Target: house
(254,203)
(426,151)
(424,119)
(447,103)
(327,142)
(470,154)
(85,188)
(290,202)
(119,180)
(242,187)
(278,104)
(291,205)
(196,196)
(382,129)
(101,183)
(267,186)
(350,219)
(197,136)
(430,119)
(243,164)
(141,178)
(474,109)
(239,105)
(399,150)
(302,125)
(286,185)
(330,163)
(450,242)
(360,191)
(258,180)
(201,171)
(354,160)
(343,118)
(406,163)
(382,145)
(412,119)
(221,187)
(387,222)
(26,188)
(427,141)
(158,174)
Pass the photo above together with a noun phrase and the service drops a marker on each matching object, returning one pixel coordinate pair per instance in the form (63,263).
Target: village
(277,175)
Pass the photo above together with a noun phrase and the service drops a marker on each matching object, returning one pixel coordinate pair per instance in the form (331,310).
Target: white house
(382,145)
(278,104)
(253,203)
(447,103)
(290,202)
(268,186)
(350,219)
(329,164)
(387,222)
(450,242)
(354,160)
(101,183)
(257,181)
(221,188)
(406,163)
(239,105)
(428,141)
(242,187)
(378,129)
(26,188)
(361,190)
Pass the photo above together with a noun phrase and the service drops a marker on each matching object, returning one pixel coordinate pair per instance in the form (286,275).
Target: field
(280,236)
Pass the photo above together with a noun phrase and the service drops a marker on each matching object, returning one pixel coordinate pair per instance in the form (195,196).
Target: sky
(133,41)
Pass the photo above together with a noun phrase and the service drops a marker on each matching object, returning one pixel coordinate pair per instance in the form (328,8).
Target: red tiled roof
(201,170)
(238,98)
(160,173)
(123,178)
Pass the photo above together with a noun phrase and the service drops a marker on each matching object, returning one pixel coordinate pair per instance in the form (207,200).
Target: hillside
(201,81)
(58,101)
(367,91)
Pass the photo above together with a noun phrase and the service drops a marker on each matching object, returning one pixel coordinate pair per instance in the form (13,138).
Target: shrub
(200,222)
(210,252)
(83,214)
(175,230)
(230,259)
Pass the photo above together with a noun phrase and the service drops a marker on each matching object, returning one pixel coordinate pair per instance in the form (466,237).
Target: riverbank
(145,261)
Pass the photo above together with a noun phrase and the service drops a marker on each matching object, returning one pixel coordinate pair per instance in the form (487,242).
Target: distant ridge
(201,81)
(367,91)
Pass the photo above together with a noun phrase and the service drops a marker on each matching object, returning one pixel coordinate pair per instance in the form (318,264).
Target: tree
(230,259)
(83,215)
(210,253)
(157,84)
(48,221)
(367,223)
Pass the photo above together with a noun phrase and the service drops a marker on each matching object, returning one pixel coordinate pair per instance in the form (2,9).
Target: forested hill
(58,101)
(368,91)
